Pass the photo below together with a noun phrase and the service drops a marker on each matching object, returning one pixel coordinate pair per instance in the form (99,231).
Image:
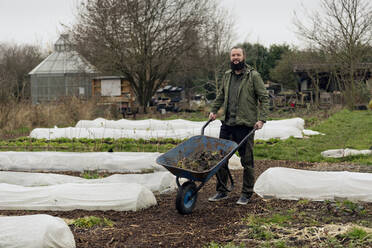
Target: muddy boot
(218,197)
(244,199)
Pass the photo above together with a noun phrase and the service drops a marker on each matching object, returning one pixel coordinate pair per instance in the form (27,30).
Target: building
(115,90)
(64,73)
(325,75)
(328,82)
(170,98)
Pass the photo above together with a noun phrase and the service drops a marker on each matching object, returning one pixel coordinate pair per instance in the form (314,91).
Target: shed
(64,73)
(115,90)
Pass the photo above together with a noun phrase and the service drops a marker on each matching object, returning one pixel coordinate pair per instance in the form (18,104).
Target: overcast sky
(39,21)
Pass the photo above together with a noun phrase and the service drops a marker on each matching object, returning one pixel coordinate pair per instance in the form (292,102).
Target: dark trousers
(237,133)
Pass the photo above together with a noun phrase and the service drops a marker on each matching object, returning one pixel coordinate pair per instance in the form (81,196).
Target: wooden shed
(115,90)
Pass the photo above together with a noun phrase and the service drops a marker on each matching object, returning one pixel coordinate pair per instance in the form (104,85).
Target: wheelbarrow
(188,192)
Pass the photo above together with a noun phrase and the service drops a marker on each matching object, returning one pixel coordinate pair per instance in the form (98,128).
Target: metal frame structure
(64,73)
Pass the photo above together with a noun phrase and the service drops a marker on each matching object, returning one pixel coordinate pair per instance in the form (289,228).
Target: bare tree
(140,39)
(15,64)
(343,31)
(218,42)
(200,68)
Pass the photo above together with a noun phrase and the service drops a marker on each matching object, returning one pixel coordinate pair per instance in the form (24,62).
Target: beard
(237,67)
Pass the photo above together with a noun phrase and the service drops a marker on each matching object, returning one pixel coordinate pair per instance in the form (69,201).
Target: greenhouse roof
(63,60)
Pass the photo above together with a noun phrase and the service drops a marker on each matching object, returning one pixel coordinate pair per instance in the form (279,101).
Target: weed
(356,237)
(357,234)
(92,221)
(291,211)
(303,202)
(260,233)
(278,219)
(346,208)
(259,227)
(90,175)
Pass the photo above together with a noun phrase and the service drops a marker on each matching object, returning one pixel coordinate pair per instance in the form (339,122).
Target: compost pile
(201,161)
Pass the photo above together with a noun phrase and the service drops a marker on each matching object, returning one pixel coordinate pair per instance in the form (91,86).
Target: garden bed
(267,223)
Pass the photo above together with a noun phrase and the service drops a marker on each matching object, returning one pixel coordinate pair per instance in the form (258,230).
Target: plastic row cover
(152,124)
(340,153)
(149,124)
(294,184)
(35,231)
(282,129)
(124,162)
(156,182)
(71,196)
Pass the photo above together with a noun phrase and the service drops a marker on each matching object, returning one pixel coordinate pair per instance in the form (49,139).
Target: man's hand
(212,116)
(258,125)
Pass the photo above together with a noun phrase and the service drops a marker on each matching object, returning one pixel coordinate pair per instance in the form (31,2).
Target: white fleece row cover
(35,231)
(177,129)
(152,124)
(123,162)
(156,182)
(71,196)
(340,153)
(294,184)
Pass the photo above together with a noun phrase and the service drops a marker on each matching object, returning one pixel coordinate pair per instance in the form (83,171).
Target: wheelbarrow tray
(188,148)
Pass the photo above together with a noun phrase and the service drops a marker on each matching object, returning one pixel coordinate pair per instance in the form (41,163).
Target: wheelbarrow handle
(205,125)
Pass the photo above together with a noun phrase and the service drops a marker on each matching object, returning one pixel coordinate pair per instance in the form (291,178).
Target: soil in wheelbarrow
(201,161)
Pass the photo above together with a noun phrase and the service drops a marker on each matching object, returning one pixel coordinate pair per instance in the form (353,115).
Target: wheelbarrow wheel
(186,198)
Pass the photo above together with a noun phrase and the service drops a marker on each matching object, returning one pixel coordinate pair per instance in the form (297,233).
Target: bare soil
(221,222)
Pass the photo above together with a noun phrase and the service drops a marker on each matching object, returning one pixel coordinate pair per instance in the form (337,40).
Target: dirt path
(222,222)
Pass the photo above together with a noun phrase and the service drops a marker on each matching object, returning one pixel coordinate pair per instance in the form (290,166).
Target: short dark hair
(238,47)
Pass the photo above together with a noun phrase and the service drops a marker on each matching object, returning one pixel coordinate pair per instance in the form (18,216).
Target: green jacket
(253,99)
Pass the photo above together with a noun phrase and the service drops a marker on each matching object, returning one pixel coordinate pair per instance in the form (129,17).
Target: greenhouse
(64,73)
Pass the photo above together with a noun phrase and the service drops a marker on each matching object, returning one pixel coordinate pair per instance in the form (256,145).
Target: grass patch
(357,234)
(344,129)
(355,237)
(278,219)
(259,228)
(303,202)
(92,221)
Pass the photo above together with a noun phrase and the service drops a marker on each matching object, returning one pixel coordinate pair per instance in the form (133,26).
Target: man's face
(236,56)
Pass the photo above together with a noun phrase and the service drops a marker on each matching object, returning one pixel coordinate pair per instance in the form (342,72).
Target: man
(245,101)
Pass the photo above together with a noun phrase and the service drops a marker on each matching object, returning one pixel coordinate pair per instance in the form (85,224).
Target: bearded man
(245,103)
